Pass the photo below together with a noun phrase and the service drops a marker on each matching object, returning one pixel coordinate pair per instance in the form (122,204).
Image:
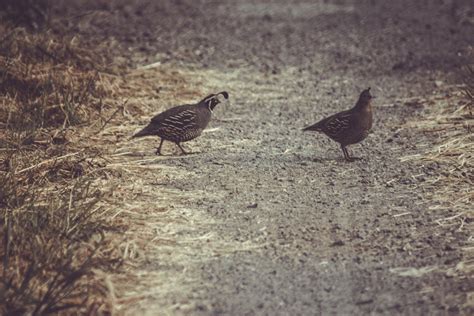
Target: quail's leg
(158,150)
(182,150)
(346,154)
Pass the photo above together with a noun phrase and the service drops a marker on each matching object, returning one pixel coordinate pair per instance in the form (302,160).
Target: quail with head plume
(348,127)
(183,122)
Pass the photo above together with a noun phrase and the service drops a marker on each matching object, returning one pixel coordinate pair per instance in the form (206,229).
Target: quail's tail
(139,134)
(144,132)
(315,127)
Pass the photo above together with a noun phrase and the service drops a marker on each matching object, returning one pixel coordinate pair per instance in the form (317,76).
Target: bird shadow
(322,159)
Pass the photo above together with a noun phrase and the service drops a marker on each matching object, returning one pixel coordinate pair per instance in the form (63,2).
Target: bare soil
(266,220)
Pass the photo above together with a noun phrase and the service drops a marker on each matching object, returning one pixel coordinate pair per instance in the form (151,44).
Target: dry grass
(450,122)
(449,163)
(53,221)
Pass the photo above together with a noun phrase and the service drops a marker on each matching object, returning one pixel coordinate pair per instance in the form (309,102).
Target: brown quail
(348,127)
(182,123)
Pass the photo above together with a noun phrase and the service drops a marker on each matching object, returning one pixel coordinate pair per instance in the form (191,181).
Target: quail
(348,127)
(183,122)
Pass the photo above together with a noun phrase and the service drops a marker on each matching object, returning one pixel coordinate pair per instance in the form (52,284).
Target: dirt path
(264,219)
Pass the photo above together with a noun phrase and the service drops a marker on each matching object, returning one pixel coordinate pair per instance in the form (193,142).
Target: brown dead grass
(450,121)
(449,186)
(53,223)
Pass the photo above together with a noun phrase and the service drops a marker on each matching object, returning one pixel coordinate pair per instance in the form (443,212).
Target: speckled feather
(179,124)
(184,122)
(348,127)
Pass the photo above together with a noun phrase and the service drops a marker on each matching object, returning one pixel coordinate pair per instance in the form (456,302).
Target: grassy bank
(447,163)
(52,222)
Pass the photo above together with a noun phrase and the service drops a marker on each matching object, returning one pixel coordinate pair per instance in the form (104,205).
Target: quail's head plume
(348,127)
(183,122)
(365,97)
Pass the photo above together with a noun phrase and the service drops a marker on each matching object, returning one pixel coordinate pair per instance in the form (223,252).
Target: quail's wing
(337,123)
(157,119)
(181,117)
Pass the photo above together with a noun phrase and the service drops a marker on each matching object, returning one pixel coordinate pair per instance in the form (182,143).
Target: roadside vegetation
(53,225)
(449,117)
(448,163)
